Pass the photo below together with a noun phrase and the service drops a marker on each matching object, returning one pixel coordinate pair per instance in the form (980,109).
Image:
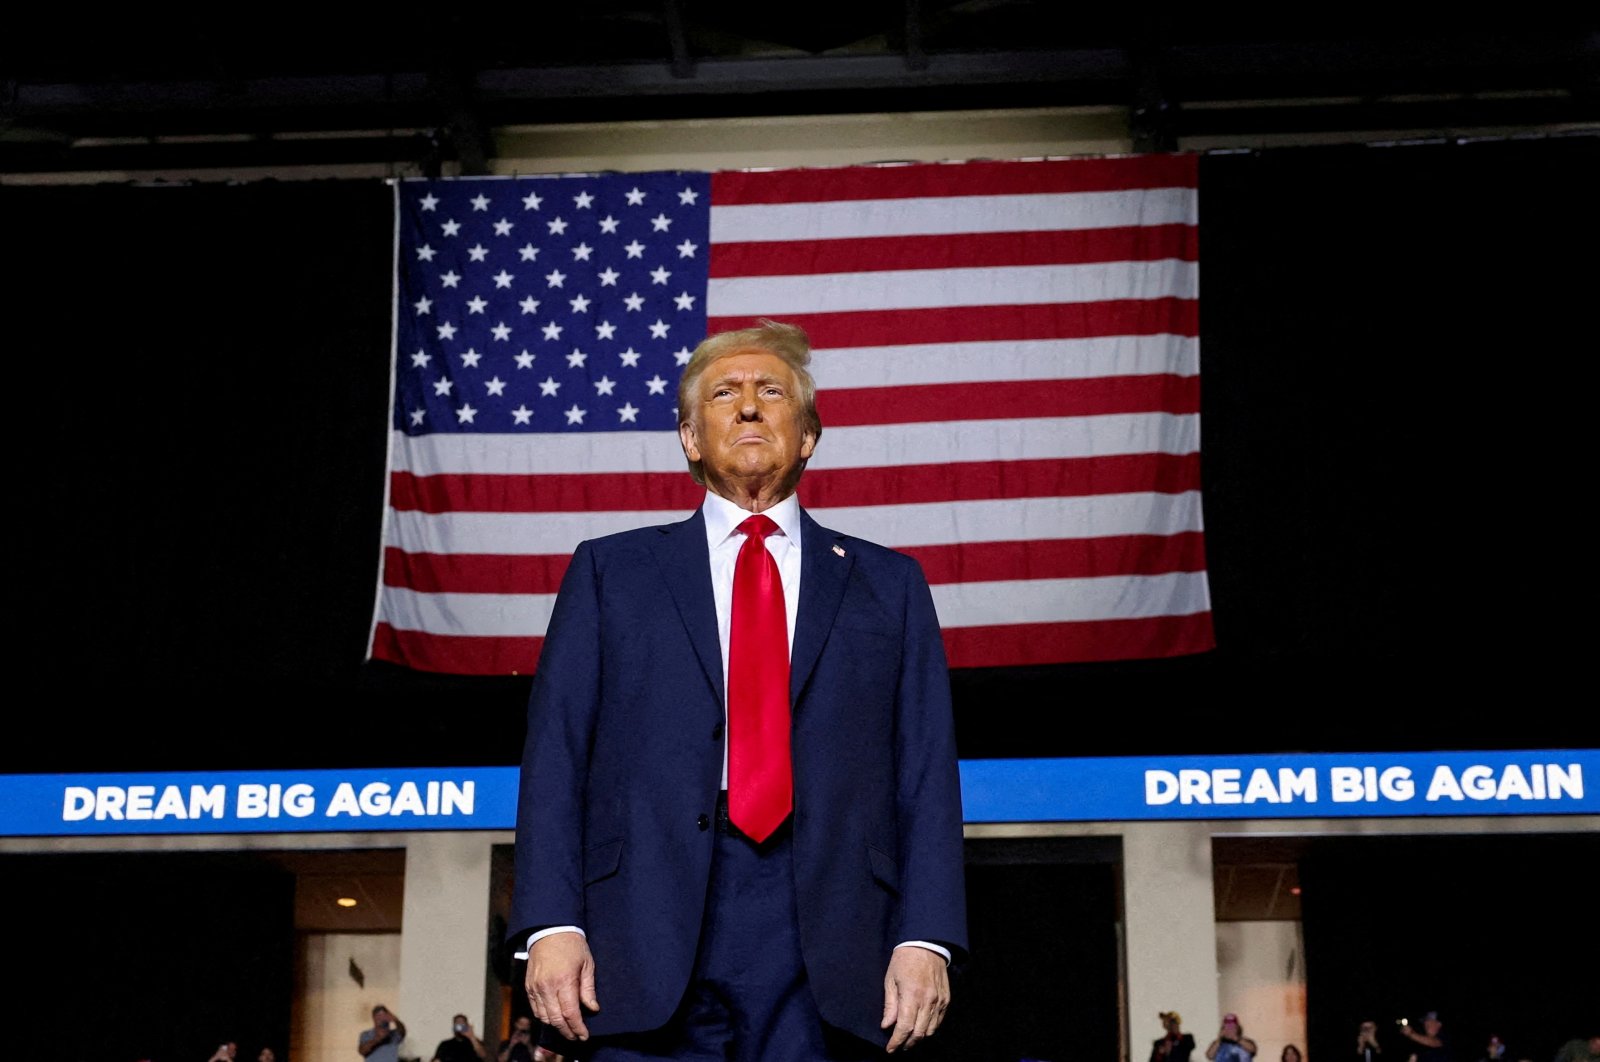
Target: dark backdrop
(123,956)
(1396,349)
(1498,934)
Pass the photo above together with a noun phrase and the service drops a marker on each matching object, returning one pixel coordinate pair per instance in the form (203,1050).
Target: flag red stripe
(1008,399)
(475,573)
(1134,243)
(1066,558)
(973,324)
(456,654)
(969,178)
(1027,644)
(1071,558)
(820,489)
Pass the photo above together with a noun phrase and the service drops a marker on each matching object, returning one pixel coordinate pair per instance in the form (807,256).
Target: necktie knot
(758,527)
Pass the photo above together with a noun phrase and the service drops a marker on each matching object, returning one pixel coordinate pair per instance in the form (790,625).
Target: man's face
(1431,1026)
(522,1025)
(746,423)
(380,1017)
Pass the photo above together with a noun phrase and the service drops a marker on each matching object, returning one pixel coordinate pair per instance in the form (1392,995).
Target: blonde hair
(786,341)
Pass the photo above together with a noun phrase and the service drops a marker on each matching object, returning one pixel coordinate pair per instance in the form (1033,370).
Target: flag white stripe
(897,526)
(923,289)
(942,215)
(1040,438)
(957,604)
(863,446)
(1030,359)
(1013,519)
(501,615)
(1067,600)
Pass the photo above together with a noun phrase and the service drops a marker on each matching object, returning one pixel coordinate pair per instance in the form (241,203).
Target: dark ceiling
(146,87)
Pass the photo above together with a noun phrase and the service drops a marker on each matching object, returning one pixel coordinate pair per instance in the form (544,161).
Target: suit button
(716,732)
(704,822)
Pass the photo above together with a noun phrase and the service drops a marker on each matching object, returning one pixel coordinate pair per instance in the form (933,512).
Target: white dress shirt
(724,539)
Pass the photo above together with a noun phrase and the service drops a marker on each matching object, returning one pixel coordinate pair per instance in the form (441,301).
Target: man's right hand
(560,983)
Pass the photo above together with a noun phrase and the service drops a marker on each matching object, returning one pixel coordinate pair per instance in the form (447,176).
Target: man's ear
(686,437)
(808,446)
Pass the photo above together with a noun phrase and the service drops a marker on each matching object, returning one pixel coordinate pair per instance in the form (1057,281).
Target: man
(522,1046)
(1580,1050)
(1431,1043)
(812,911)
(1231,1044)
(1174,1045)
(381,1043)
(1367,1047)
(463,1045)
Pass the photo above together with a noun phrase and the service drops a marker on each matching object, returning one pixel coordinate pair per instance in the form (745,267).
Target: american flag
(1007,363)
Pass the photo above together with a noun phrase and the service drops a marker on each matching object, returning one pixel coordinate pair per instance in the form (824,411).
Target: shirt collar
(723,517)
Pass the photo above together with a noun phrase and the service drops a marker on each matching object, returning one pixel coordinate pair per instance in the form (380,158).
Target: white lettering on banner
(376,798)
(1348,784)
(459,797)
(140,802)
(1221,786)
(1549,781)
(255,801)
(77,803)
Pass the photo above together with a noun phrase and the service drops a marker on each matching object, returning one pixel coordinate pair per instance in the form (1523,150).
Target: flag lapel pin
(839,550)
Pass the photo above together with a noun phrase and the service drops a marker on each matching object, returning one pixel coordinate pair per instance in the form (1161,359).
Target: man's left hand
(916,991)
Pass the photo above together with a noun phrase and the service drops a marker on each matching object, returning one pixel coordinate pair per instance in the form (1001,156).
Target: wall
(1261,976)
(331,1008)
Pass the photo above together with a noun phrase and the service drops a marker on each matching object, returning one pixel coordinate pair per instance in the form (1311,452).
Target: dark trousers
(748,999)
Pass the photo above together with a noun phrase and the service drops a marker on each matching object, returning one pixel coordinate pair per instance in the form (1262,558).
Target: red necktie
(760,778)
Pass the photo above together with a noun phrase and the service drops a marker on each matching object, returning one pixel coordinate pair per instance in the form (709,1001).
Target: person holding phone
(463,1045)
(1231,1044)
(381,1043)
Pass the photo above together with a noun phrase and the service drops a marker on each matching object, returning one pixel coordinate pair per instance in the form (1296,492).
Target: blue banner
(1316,785)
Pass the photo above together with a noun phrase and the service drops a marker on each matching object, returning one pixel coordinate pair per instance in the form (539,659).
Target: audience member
(1290,1053)
(1432,1044)
(381,1043)
(463,1045)
(1176,1045)
(1231,1044)
(225,1052)
(266,1054)
(519,1046)
(1368,1049)
(1583,1049)
(1495,1051)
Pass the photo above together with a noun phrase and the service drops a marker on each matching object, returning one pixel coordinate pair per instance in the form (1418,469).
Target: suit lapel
(685,562)
(824,572)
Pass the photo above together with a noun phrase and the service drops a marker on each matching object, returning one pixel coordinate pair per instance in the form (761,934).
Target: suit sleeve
(928,782)
(562,708)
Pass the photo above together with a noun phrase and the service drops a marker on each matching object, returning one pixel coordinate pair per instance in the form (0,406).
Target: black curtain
(1497,934)
(125,957)
(1395,457)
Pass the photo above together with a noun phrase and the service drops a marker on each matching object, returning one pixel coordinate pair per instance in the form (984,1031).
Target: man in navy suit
(730,846)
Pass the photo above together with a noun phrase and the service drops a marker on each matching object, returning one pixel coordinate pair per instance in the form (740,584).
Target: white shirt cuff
(925,944)
(534,937)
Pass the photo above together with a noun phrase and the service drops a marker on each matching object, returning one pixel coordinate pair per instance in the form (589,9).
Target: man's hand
(560,979)
(916,991)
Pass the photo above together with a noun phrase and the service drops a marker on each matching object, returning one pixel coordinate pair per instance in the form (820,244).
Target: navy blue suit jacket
(624,754)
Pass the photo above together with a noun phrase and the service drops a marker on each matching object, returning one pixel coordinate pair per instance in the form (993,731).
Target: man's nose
(749,408)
